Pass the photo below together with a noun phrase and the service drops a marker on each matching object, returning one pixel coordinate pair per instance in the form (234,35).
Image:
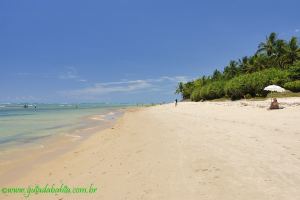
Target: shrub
(248,96)
(293,86)
(253,84)
(234,88)
(195,96)
(212,90)
(187,89)
(295,71)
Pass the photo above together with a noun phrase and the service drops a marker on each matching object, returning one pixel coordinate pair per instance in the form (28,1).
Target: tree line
(276,61)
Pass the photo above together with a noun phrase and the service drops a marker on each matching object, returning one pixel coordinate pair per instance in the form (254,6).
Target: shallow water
(22,126)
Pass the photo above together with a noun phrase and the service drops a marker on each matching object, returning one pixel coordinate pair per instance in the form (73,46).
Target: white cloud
(175,78)
(161,84)
(110,87)
(297,30)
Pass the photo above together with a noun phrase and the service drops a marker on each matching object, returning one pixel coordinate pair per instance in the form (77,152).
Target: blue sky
(127,51)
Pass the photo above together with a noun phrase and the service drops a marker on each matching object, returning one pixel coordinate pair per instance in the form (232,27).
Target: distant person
(176,101)
(274,104)
(35,108)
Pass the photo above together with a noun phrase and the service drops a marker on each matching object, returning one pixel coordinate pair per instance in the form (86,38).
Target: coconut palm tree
(293,51)
(269,45)
(231,70)
(280,48)
(250,65)
(217,75)
(179,88)
(256,63)
(244,64)
(279,54)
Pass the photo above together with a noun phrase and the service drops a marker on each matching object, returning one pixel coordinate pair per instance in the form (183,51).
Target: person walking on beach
(176,102)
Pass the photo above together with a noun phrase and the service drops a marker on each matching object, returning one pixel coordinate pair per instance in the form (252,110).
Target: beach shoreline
(206,150)
(17,160)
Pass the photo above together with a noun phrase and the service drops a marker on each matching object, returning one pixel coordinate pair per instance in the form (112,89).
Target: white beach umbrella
(274,88)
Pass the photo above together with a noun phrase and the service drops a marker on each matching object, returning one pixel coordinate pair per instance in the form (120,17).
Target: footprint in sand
(216,169)
(285,147)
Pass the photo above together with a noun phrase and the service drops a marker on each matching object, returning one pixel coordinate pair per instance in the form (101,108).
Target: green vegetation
(276,62)
(293,86)
(284,94)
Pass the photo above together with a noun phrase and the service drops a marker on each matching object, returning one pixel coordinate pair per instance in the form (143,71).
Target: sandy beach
(206,150)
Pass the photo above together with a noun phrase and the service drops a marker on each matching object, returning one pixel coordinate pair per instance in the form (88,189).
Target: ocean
(20,126)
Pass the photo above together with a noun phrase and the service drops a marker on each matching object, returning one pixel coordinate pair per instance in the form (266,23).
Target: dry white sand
(211,150)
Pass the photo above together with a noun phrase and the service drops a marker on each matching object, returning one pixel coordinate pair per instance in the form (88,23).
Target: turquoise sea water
(20,126)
